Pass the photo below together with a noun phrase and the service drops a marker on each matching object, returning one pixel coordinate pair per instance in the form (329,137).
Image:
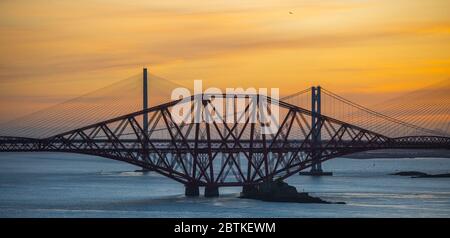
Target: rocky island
(417,174)
(279,191)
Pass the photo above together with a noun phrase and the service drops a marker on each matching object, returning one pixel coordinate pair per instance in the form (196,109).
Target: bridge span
(218,153)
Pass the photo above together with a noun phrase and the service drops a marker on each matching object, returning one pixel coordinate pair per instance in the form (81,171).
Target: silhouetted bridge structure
(219,153)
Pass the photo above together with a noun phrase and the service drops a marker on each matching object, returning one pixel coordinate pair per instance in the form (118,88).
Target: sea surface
(71,185)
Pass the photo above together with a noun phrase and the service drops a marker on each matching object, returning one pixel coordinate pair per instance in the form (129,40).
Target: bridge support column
(248,190)
(191,190)
(316,168)
(144,100)
(145,115)
(211,191)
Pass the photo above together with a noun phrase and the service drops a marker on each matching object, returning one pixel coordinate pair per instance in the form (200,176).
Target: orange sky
(367,49)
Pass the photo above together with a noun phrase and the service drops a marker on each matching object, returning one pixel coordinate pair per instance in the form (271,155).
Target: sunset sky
(366,49)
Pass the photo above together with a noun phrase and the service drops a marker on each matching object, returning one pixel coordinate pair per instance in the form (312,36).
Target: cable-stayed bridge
(313,126)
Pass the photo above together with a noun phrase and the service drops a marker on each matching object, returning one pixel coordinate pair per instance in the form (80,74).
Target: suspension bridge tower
(316,127)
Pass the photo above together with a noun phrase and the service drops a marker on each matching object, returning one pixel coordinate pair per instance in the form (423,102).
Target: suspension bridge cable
(372,112)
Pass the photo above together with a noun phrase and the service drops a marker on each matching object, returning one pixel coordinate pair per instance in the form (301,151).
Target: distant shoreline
(417,174)
(399,153)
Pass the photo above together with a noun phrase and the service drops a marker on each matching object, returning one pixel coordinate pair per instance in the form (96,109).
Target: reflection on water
(69,185)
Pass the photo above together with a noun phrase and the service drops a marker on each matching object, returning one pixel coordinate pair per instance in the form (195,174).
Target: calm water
(70,185)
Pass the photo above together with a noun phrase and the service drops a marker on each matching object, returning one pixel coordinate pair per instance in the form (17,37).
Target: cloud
(63,40)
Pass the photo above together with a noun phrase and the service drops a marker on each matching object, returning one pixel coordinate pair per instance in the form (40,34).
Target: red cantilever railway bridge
(217,153)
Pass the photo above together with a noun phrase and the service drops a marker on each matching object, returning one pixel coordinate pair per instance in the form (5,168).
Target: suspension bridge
(314,125)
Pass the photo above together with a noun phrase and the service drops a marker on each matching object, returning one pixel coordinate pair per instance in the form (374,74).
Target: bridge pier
(191,190)
(316,173)
(211,191)
(248,190)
